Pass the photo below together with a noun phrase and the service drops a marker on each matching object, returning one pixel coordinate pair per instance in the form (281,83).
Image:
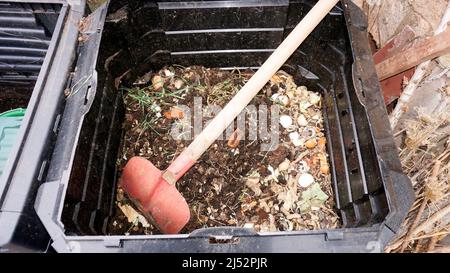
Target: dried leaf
(314,196)
(254,185)
(132,215)
(288,198)
(276,79)
(234,139)
(157,82)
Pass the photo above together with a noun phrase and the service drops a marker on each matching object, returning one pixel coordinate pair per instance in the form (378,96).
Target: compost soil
(234,183)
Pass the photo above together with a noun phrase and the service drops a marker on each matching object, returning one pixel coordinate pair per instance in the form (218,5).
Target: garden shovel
(153,190)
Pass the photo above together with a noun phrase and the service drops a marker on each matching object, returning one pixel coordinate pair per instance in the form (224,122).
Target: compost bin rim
(206,232)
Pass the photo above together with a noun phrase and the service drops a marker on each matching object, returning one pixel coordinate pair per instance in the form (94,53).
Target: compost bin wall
(157,34)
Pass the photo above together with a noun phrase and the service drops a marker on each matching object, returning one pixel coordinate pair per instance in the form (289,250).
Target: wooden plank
(393,87)
(420,51)
(395,45)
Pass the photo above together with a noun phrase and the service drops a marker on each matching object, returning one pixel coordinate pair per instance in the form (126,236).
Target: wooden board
(392,87)
(418,52)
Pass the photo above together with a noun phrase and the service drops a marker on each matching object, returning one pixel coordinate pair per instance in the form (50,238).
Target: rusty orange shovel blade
(160,202)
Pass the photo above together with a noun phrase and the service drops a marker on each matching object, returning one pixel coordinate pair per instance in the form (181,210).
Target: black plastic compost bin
(76,202)
(37,49)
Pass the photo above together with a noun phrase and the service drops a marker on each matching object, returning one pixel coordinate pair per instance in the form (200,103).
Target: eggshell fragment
(305,180)
(295,139)
(285,121)
(301,120)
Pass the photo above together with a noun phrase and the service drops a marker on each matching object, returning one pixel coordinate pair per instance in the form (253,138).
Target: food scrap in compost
(234,183)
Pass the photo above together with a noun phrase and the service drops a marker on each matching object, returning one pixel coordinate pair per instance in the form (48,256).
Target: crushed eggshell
(285,121)
(284,165)
(178,84)
(249,225)
(305,180)
(301,120)
(273,172)
(282,99)
(314,99)
(275,96)
(304,105)
(296,139)
(168,73)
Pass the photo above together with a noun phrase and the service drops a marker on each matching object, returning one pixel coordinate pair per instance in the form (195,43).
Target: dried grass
(425,156)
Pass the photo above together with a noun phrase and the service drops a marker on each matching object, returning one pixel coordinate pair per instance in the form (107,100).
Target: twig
(438,76)
(409,235)
(432,243)
(399,132)
(433,219)
(414,225)
(395,245)
(418,246)
(441,157)
(270,148)
(437,234)
(444,249)
(218,222)
(417,78)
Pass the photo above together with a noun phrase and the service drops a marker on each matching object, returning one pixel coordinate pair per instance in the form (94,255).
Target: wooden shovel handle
(216,127)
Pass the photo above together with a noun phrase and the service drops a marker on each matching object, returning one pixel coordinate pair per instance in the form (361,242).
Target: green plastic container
(10,122)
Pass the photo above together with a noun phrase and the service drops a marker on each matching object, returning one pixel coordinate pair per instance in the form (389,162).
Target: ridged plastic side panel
(25,33)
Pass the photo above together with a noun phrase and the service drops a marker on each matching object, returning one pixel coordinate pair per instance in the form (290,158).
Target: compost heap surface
(235,182)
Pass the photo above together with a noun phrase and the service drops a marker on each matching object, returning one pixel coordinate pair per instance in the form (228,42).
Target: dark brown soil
(10,98)
(215,187)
